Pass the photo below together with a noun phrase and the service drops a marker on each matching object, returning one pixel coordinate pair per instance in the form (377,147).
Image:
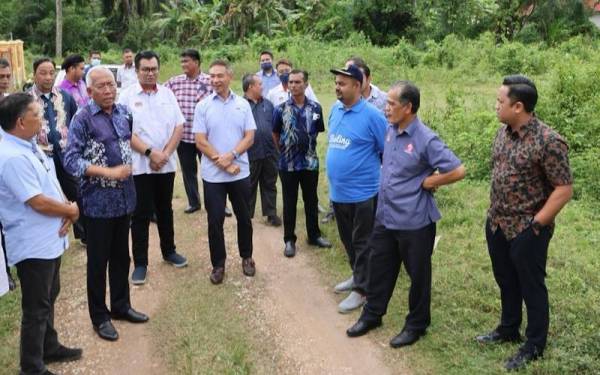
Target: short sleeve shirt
(410,156)
(225,123)
(189,92)
(155,116)
(526,167)
(298,128)
(25,172)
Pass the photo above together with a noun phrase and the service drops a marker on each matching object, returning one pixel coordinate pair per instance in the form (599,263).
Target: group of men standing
(77,154)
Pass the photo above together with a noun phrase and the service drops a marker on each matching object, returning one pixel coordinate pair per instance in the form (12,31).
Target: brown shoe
(248,267)
(217,275)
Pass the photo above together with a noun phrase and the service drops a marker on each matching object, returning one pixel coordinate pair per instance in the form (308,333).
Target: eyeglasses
(5,76)
(149,70)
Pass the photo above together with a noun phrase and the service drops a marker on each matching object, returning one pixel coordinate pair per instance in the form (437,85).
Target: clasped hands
(225,162)
(158,159)
(69,219)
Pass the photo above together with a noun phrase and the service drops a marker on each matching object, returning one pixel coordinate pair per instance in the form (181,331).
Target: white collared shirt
(278,95)
(126,76)
(155,117)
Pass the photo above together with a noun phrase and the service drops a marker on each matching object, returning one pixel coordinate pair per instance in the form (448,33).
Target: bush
(406,54)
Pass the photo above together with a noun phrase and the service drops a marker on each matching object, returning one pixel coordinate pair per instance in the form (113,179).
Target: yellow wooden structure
(12,51)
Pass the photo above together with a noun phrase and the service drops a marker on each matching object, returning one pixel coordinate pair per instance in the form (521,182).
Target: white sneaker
(344,286)
(352,302)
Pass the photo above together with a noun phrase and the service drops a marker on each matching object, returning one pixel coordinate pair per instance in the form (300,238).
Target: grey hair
(88,78)
(408,92)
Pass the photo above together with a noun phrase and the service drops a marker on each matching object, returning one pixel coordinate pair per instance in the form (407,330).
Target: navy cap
(351,71)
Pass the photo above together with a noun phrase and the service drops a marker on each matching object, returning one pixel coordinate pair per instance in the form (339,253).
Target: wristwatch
(235,154)
(148,151)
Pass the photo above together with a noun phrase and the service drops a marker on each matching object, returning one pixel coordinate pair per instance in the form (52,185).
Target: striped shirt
(188,93)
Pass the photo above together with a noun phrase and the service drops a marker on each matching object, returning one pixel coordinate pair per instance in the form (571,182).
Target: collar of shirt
(95,108)
(40,94)
(18,141)
(374,91)
(140,89)
(263,74)
(356,107)
(410,129)
(522,132)
(232,96)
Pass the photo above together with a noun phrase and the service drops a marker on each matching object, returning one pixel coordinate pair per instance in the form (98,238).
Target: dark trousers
(70,186)
(154,192)
(215,195)
(390,248)
(355,225)
(308,181)
(4,250)
(108,246)
(187,153)
(40,285)
(519,267)
(264,171)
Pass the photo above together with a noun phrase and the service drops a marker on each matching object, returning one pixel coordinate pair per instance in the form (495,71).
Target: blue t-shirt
(356,138)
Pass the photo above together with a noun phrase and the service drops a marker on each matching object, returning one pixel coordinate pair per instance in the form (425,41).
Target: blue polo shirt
(224,122)
(409,157)
(268,81)
(354,153)
(25,172)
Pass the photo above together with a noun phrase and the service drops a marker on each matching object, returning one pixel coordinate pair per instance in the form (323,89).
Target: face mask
(284,78)
(266,66)
(95,62)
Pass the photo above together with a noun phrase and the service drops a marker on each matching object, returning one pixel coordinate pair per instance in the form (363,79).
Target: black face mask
(266,66)
(284,78)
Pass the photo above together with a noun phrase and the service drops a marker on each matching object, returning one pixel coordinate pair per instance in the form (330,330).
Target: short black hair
(521,89)
(408,92)
(40,61)
(72,60)
(300,71)
(284,62)
(266,52)
(145,55)
(4,63)
(126,50)
(360,63)
(12,107)
(95,52)
(191,53)
(247,80)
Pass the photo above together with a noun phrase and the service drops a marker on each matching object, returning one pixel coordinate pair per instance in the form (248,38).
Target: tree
(59,29)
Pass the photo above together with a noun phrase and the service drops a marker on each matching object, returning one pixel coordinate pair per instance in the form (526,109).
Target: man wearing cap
(296,124)
(356,134)
(415,163)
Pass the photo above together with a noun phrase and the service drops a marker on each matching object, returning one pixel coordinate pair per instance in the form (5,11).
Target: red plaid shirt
(188,93)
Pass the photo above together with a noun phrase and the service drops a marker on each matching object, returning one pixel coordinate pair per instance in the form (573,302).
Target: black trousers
(355,225)
(187,153)
(108,246)
(519,267)
(154,192)
(215,195)
(40,285)
(70,186)
(264,172)
(308,181)
(390,248)
(4,250)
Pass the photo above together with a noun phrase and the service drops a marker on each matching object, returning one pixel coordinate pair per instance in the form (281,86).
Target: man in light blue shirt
(268,75)
(36,218)
(356,134)
(224,127)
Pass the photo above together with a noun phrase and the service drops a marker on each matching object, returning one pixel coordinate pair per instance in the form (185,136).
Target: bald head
(101,87)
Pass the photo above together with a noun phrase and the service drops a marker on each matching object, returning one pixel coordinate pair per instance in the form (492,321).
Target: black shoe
(228,212)
(274,221)
(522,358)
(406,337)
(495,337)
(290,249)
(320,242)
(362,327)
(12,285)
(131,316)
(63,354)
(107,331)
(191,209)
